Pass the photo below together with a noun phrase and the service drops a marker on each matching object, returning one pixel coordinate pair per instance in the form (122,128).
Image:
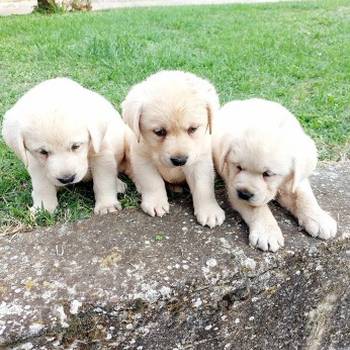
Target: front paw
(34,210)
(105,207)
(121,186)
(49,205)
(155,205)
(267,237)
(210,215)
(319,224)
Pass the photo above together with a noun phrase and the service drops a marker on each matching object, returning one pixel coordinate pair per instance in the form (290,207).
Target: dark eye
(160,132)
(75,146)
(43,152)
(239,168)
(192,129)
(268,173)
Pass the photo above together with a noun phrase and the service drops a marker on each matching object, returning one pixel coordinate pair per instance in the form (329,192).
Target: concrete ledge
(129,281)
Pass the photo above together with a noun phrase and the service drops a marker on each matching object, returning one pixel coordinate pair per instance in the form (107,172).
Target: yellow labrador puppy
(65,133)
(171,114)
(262,153)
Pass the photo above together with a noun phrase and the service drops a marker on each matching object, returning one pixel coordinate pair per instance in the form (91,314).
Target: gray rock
(129,281)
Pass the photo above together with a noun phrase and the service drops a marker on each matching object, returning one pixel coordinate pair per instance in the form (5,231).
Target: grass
(293,53)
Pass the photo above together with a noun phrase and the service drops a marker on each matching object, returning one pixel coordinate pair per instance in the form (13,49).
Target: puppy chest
(172,175)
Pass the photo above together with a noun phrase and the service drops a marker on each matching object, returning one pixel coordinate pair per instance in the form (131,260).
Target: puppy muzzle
(65,180)
(179,160)
(245,194)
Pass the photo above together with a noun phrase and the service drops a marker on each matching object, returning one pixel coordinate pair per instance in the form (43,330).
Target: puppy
(171,114)
(262,153)
(65,133)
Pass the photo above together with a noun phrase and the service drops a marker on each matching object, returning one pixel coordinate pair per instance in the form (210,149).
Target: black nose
(67,179)
(244,194)
(178,161)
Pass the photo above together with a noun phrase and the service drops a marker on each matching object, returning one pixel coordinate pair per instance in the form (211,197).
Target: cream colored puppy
(171,114)
(262,153)
(65,133)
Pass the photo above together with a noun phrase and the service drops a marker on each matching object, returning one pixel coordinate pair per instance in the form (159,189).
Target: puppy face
(62,151)
(256,167)
(258,147)
(55,122)
(170,114)
(174,133)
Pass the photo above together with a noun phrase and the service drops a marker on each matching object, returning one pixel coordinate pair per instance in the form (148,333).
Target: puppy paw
(49,206)
(155,206)
(210,215)
(266,237)
(319,224)
(121,186)
(105,207)
(34,210)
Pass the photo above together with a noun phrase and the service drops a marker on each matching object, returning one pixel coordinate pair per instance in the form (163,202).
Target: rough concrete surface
(129,281)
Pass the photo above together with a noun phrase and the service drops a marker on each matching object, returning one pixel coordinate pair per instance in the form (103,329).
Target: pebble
(197,302)
(211,262)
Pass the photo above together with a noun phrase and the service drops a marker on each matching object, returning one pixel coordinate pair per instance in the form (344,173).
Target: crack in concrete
(318,320)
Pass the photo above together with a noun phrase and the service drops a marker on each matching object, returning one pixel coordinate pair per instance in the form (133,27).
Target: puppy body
(262,153)
(170,114)
(65,133)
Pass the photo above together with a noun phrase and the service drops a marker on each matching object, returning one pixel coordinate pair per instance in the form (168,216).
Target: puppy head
(258,162)
(171,113)
(61,148)
(255,166)
(54,123)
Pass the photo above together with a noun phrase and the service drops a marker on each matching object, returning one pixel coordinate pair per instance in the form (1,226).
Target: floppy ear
(210,119)
(213,105)
(97,130)
(224,149)
(96,138)
(131,113)
(13,136)
(304,161)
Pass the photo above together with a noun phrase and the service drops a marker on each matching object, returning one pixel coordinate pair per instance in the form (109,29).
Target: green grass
(297,54)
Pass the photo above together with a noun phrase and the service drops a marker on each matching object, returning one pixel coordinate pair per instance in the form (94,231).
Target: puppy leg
(104,174)
(303,205)
(44,193)
(151,186)
(264,232)
(200,178)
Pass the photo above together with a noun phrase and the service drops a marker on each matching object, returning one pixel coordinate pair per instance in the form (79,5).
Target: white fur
(175,101)
(55,115)
(256,136)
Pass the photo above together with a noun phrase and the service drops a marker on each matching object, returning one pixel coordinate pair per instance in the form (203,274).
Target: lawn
(297,54)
